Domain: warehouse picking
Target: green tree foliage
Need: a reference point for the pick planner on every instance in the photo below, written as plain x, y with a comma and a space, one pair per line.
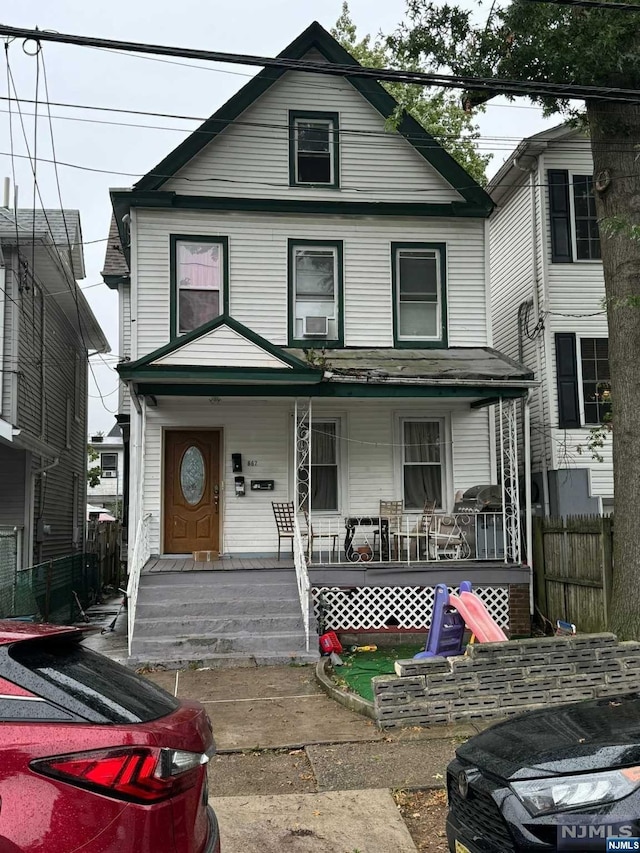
93, 473
439, 111
596, 47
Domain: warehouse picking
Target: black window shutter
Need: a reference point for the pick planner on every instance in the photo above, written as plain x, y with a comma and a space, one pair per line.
560, 215
567, 373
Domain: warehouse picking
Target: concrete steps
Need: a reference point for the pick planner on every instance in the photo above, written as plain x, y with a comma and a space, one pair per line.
220, 619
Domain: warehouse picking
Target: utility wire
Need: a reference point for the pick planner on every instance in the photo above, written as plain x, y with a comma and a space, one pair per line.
490, 85
592, 4
273, 184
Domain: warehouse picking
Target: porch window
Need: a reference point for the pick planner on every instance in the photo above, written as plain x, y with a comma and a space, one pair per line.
198, 272
418, 294
324, 467
421, 463
596, 379
315, 272
313, 149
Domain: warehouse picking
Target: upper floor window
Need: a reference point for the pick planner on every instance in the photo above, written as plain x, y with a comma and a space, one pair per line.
199, 278
313, 149
587, 235
315, 289
596, 379
419, 294
573, 220
109, 464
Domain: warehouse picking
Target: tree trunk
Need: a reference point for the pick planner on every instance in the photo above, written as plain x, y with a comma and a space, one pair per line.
615, 141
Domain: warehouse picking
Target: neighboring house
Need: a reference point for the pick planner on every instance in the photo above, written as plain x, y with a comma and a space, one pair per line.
46, 332
307, 310
547, 293
109, 492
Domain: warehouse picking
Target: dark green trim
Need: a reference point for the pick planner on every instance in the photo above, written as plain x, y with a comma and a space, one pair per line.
114, 281
198, 372
223, 320
325, 389
314, 114
315, 36
314, 343
173, 284
413, 343
122, 201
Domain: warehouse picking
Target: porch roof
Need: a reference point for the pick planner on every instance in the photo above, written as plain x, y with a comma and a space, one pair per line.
200, 364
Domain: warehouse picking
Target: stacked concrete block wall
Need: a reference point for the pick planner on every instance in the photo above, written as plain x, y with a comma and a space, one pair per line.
495, 680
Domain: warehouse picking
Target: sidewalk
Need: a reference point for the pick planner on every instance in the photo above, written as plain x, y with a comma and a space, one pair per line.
296, 771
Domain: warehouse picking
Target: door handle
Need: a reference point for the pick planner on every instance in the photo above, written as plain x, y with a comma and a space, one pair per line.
216, 496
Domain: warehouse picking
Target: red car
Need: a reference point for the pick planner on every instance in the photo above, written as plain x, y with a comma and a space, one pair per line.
93, 758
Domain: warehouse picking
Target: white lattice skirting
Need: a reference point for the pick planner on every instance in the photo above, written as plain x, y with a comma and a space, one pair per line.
365, 608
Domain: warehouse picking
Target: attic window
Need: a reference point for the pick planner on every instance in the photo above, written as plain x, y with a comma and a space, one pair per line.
313, 149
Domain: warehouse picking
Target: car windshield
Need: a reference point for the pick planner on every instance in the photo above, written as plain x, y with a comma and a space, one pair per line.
90, 684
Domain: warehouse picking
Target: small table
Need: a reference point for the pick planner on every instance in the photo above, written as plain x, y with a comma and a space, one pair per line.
351, 553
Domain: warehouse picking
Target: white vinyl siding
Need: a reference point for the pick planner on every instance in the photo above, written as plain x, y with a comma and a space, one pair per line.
258, 271
368, 458
251, 157
124, 304
222, 348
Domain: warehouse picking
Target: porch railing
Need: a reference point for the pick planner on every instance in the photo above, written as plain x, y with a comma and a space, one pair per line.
380, 539
140, 555
302, 577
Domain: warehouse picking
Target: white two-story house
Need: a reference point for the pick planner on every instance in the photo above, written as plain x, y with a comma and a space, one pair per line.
305, 315
547, 289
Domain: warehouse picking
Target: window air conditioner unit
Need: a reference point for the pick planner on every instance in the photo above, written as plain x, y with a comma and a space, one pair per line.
109, 473
315, 327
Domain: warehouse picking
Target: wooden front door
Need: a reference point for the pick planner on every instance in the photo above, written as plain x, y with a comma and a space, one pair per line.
192, 491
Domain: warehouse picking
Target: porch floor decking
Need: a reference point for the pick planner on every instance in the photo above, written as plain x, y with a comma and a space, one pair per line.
157, 565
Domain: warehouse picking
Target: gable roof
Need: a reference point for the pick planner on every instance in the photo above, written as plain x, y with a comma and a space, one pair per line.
315, 37
513, 173
274, 362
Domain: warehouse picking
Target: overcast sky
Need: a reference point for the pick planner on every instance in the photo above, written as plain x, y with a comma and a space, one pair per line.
103, 140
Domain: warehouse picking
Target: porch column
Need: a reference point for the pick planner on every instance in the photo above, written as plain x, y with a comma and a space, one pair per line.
509, 479
302, 460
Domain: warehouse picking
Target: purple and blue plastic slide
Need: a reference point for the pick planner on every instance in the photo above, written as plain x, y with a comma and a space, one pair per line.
447, 625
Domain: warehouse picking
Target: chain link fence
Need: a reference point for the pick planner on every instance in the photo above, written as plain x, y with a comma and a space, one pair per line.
53, 591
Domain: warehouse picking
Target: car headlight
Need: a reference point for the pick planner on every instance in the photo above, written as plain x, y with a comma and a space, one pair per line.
544, 796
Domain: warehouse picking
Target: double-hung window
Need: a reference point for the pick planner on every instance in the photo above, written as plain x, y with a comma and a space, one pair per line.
573, 220
313, 149
199, 276
419, 294
422, 463
109, 464
324, 468
596, 379
315, 280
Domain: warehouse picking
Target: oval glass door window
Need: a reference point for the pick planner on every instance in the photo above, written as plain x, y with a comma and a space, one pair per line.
192, 475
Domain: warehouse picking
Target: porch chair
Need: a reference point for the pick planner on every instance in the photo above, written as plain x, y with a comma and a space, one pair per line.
446, 539
393, 511
312, 536
412, 540
285, 516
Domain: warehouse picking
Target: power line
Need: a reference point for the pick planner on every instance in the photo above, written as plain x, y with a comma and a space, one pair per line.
490, 85
592, 4
273, 184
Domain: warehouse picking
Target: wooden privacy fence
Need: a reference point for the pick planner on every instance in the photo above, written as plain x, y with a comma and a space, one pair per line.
573, 570
103, 541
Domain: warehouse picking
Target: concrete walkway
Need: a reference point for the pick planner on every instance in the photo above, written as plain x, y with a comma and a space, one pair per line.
296, 771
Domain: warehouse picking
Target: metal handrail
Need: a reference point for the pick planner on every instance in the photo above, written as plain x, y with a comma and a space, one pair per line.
140, 555
302, 577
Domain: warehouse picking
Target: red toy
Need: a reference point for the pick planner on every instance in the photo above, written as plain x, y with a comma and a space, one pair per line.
329, 643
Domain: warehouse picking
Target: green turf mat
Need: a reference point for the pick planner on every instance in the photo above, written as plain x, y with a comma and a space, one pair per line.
360, 667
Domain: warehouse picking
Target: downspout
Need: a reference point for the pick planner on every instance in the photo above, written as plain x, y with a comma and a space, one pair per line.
528, 517
536, 309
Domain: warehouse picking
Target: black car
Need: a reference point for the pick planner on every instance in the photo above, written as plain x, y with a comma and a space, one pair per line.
562, 778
